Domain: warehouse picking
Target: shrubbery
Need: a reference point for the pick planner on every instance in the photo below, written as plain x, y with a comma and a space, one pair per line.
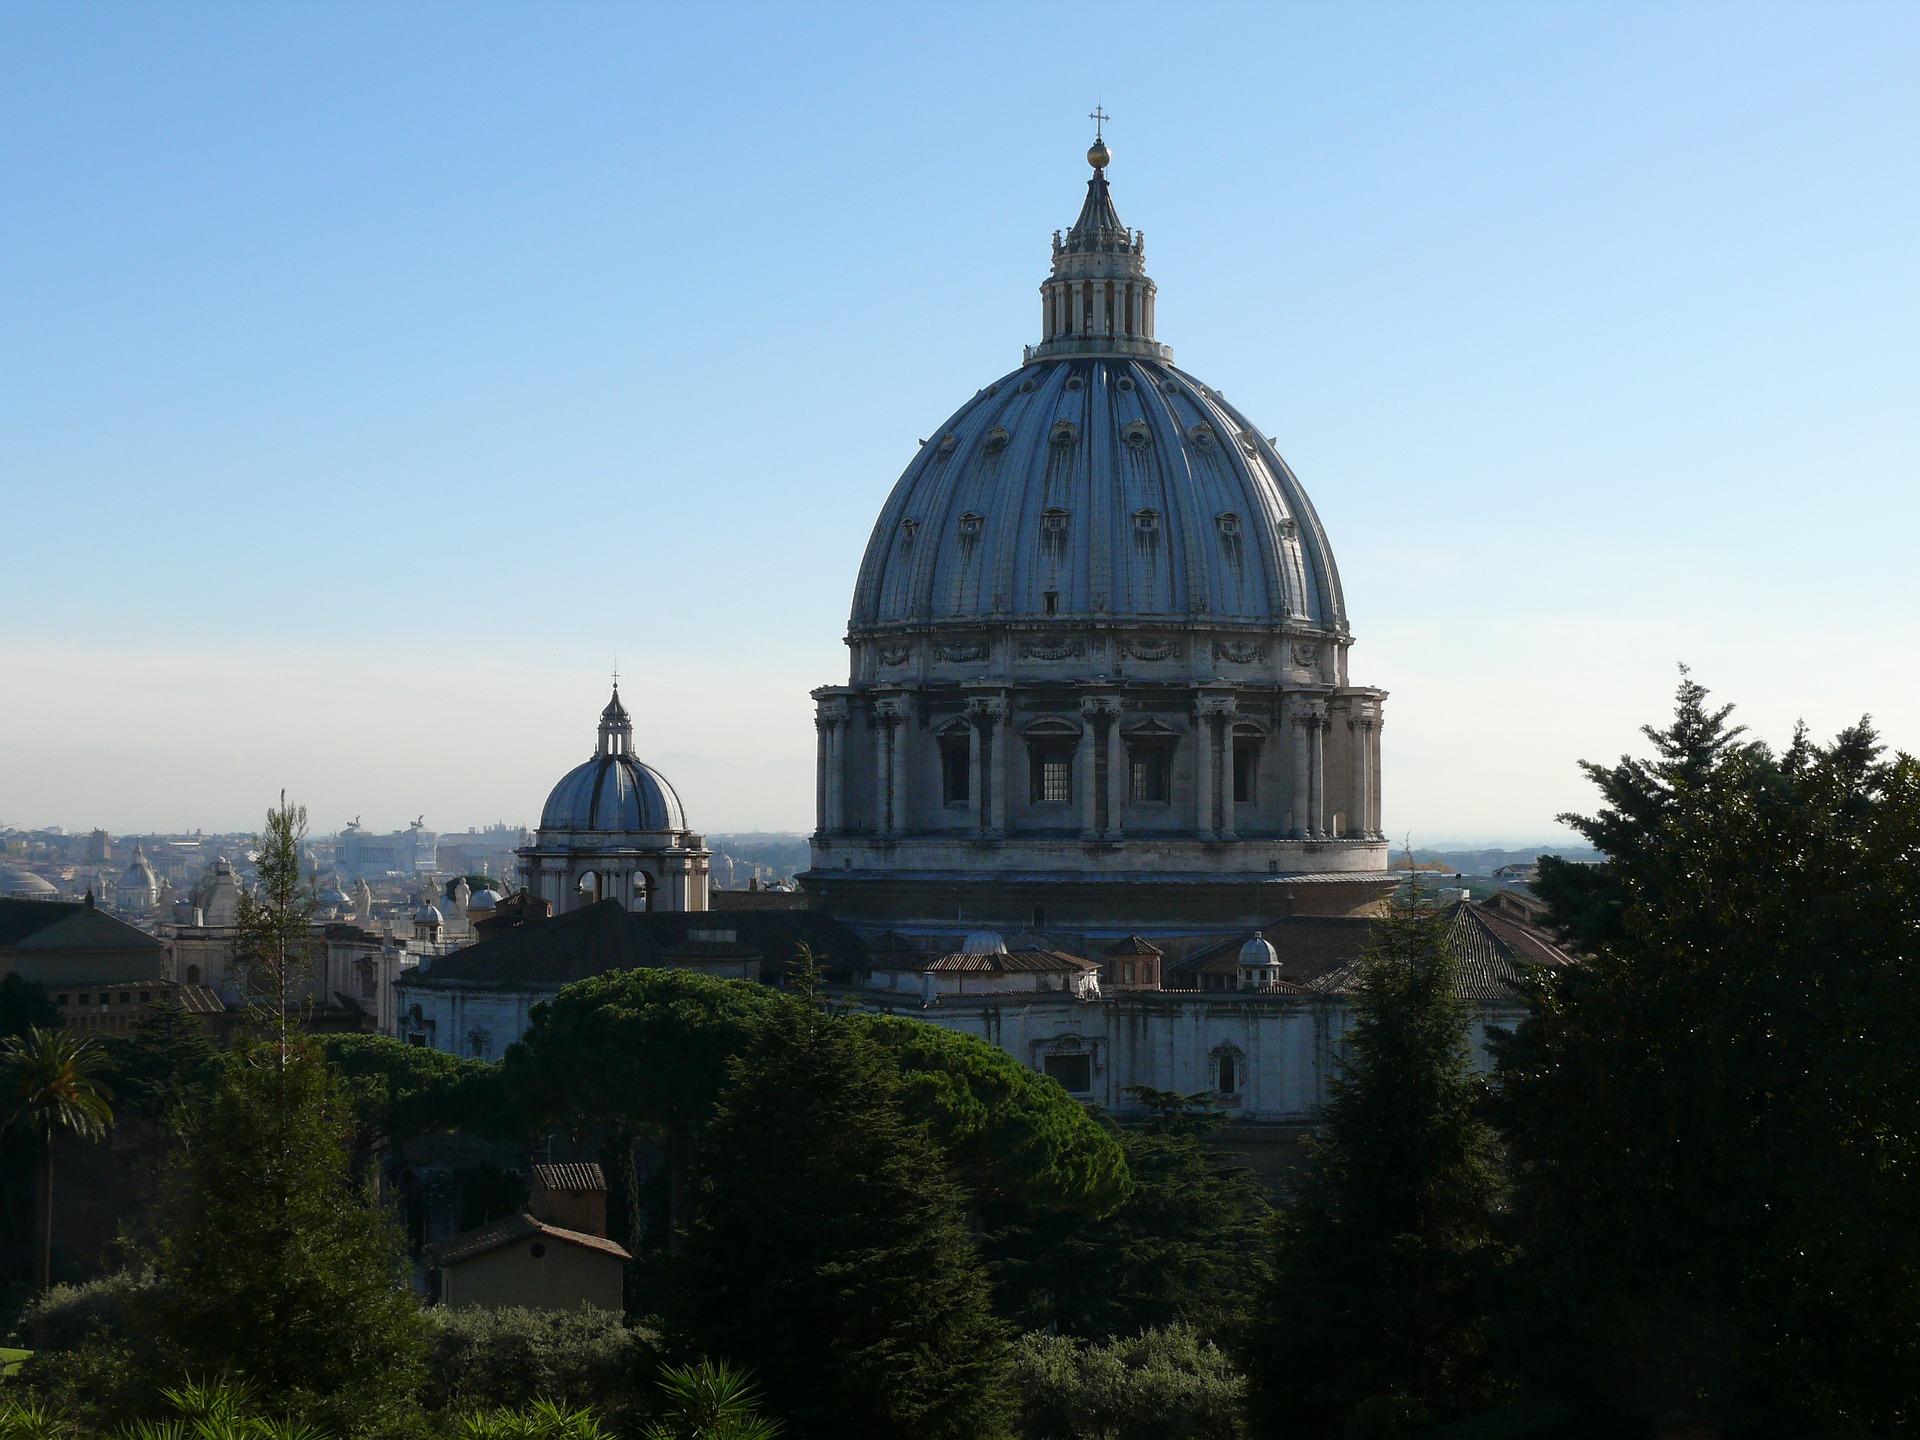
506, 1359
1165, 1384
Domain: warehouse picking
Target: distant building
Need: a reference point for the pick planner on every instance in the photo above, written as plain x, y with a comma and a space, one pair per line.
361, 854
138, 893
101, 973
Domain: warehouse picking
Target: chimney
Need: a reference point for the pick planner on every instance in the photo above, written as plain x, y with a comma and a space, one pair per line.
573, 1197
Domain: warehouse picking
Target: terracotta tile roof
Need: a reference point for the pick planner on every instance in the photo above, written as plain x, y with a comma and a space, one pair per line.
1309, 948
1134, 945
572, 1178
510, 1231
198, 1000
1321, 954
1014, 962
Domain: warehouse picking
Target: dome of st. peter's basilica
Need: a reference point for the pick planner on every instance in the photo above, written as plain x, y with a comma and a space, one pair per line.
1098, 654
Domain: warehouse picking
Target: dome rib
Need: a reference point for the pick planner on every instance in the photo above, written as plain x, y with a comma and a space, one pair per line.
1102, 567
616, 794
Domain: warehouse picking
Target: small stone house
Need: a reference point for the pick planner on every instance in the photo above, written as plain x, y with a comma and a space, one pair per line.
556, 1256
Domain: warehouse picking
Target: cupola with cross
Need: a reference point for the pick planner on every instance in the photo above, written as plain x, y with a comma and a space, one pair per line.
1099, 299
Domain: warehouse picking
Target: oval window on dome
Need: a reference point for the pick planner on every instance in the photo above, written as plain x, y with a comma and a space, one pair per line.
1074, 383
1123, 383
947, 442
996, 441
1138, 434
1063, 434
1201, 435
1026, 387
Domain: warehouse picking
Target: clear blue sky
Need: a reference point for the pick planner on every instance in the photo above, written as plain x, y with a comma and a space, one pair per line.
372, 375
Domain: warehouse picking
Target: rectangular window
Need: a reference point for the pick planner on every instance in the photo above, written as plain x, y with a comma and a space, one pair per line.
1126, 973
1150, 775
956, 770
1246, 763
85, 998
1074, 1072
146, 996
1052, 774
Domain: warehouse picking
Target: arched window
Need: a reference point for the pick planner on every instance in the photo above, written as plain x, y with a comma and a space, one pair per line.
193, 974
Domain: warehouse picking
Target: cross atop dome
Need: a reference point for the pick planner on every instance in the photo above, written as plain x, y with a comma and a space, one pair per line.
1098, 155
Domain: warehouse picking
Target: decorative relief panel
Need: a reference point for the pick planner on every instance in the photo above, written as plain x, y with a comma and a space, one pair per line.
1245, 652
1144, 649
1054, 650
960, 654
1306, 654
894, 654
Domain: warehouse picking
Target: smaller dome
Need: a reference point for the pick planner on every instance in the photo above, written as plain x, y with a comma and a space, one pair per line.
428, 915
25, 885
1258, 953
983, 942
484, 900
613, 792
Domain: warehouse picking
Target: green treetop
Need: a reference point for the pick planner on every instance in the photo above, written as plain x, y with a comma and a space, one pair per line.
829, 1251
1713, 1118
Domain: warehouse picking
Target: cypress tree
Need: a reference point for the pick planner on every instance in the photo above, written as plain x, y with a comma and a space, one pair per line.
829, 1256
1382, 1261
270, 1266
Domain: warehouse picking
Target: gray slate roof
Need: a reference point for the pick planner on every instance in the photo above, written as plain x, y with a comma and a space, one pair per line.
546, 954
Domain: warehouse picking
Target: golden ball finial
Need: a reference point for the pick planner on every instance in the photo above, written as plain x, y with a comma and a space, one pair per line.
1098, 155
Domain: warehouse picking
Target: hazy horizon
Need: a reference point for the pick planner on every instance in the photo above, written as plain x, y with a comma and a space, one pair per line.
372, 378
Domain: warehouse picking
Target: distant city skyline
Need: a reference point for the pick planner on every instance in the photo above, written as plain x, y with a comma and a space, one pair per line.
371, 379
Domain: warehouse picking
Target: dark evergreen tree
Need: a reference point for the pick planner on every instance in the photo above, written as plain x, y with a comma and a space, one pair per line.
166, 1063
1383, 1259
829, 1252
1715, 1119
25, 1006
271, 1267
1187, 1246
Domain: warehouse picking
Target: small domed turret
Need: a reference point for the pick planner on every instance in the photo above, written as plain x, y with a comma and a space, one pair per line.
1259, 965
